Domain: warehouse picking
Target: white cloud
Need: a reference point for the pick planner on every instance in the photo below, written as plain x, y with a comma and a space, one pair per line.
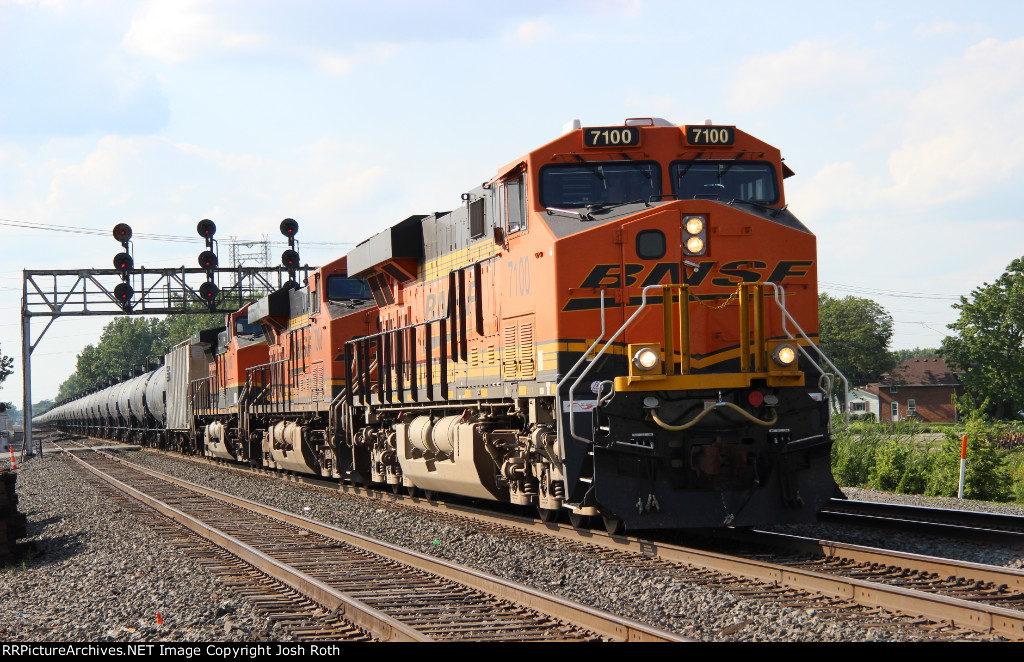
175, 31
818, 67
532, 31
948, 28
836, 186
962, 131
340, 65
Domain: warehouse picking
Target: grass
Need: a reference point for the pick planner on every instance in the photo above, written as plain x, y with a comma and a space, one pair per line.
899, 458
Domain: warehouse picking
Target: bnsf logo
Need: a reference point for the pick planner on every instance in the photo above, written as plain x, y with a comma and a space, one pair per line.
729, 275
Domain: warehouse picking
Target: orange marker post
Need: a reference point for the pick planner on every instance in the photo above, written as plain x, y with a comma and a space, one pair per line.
14, 466
963, 468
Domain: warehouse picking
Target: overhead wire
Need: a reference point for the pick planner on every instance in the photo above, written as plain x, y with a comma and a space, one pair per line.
149, 236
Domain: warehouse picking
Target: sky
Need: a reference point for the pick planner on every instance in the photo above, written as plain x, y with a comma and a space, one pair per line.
901, 120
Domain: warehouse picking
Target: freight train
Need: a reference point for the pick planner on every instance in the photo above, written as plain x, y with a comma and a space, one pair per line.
620, 325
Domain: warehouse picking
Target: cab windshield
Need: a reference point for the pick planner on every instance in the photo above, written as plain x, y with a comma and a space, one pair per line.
342, 288
243, 328
605, 183
724, 181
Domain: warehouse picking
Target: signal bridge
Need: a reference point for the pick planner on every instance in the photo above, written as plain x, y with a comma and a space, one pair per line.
127, 290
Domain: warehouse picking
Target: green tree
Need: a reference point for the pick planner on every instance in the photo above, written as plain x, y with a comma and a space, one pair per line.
916, 353
988, 345
6, 367
181, 327
125, 342
855, 333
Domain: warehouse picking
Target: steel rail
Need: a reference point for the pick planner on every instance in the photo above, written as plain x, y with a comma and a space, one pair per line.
961, 524
1005, 622
378, 624
1011, 577
601, 623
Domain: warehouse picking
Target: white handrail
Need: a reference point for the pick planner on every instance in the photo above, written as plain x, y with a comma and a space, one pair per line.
780, 301
572, 389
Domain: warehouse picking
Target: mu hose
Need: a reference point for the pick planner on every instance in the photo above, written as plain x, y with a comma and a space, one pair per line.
696, 419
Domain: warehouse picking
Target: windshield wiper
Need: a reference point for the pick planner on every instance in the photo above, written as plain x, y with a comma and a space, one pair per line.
774, 211
631, 162
553, 210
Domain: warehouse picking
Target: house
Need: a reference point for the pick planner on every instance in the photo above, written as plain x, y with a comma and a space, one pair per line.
922, 389
863, 402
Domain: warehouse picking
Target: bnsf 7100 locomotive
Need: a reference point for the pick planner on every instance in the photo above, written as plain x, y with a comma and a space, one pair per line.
620, 323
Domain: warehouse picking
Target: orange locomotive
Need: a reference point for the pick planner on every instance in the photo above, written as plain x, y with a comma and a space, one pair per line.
620, 324
290, 415
218, 400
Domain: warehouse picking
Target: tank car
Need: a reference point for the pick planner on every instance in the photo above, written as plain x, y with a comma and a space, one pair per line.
622, 324
151, 409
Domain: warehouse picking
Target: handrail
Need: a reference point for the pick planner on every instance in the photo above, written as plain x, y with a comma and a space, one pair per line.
825, 381
572, 389
780, 301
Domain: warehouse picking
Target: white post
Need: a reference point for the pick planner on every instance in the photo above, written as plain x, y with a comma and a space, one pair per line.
963, 467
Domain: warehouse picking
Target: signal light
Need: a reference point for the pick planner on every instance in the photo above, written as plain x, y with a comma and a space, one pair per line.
123, 293
123, 233
290, 259
206, 228
289, 227
123, 262
208, 291
208, 260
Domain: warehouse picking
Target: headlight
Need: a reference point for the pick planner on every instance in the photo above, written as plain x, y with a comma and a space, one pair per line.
695, 241
784, 355
646, 359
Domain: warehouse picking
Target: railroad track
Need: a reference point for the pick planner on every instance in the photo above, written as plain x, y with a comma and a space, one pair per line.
933, 598
326, 583
996, 528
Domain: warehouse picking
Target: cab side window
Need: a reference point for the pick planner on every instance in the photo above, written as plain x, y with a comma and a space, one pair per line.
515, 202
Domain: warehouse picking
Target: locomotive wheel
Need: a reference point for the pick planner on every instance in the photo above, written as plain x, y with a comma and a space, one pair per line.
547, 515
430, 495
396, 488
579, 521
613, 525
413, 491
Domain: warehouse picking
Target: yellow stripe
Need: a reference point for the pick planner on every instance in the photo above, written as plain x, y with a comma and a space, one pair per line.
440, 267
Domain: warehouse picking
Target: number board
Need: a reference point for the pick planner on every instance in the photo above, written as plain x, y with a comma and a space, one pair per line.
611, 136
710, 135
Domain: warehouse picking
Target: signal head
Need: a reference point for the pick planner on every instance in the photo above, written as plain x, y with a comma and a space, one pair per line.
208, 291
208, 260
206, 228
289, 227
123, 293
123, 262
123, 232
290, 259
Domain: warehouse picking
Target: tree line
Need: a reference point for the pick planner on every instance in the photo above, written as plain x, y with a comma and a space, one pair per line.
131, 342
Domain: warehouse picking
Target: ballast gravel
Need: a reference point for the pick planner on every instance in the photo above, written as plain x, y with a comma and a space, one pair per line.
101, 575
